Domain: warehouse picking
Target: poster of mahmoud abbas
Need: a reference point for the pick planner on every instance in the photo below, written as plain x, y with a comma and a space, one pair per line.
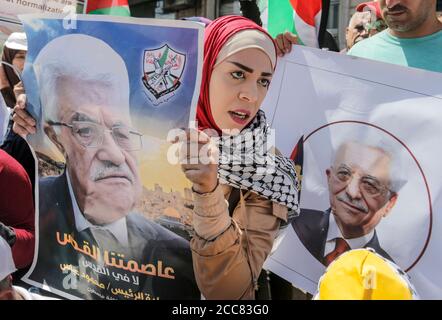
371, 166
113, 215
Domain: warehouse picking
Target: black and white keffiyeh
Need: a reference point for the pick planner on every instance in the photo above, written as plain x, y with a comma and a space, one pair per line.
248, 161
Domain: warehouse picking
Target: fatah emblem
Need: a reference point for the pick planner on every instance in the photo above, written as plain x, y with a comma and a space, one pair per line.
162, 71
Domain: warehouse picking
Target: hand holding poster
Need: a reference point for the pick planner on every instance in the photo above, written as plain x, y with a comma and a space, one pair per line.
371, 170
109, 199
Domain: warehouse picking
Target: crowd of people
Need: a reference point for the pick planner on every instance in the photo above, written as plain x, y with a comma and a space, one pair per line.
235, 220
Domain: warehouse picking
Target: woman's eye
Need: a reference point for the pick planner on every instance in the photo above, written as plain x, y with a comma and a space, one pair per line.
237, 75
264, 82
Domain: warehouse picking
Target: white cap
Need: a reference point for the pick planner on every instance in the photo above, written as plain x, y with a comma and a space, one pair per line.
7, 265
17, 41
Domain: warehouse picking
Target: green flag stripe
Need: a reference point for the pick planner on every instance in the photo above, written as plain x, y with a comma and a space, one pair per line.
280, 17
114, 11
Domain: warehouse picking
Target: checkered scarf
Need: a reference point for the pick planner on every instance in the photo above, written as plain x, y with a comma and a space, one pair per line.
248, 162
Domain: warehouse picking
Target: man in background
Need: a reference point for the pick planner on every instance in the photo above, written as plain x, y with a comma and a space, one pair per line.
413, 37
366, 22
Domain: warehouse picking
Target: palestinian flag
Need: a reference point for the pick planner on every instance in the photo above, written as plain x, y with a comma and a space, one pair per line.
110, 7
305, 18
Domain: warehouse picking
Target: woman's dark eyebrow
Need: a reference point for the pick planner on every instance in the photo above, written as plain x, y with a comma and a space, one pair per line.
239, 65
249, 70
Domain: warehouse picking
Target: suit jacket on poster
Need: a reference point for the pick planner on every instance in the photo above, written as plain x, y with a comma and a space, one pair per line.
149, 243
311, 226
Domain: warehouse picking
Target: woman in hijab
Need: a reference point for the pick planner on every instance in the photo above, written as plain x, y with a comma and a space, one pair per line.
233, 237
14, 53
239, 205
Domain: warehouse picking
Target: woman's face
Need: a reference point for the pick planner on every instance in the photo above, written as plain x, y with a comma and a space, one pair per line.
19, 60
237, 88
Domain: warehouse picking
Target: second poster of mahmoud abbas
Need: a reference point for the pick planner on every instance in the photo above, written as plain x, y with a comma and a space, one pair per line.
371, 174
113, 216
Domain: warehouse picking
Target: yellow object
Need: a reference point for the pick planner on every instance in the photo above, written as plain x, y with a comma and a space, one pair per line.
362, 274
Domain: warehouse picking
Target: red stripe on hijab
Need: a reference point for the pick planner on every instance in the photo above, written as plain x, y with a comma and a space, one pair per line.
217, 33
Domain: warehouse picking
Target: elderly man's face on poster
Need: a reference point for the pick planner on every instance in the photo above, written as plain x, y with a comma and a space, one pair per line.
95, 134
114, 216
359, 186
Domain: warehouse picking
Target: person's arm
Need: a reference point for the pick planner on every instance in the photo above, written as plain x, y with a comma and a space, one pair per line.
19, 89
24, 124
228, 253
23, 248
17, 214
227, 263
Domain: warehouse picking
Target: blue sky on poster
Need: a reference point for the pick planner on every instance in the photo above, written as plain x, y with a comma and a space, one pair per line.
130, 41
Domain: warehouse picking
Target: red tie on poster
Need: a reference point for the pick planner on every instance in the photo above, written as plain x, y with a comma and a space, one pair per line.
341, 247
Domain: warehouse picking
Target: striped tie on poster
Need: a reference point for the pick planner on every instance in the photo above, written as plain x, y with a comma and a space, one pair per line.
305, 18
109, 7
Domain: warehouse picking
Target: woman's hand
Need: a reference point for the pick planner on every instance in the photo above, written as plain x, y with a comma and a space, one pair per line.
19, 89
284, 42
24, 124
199, 156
